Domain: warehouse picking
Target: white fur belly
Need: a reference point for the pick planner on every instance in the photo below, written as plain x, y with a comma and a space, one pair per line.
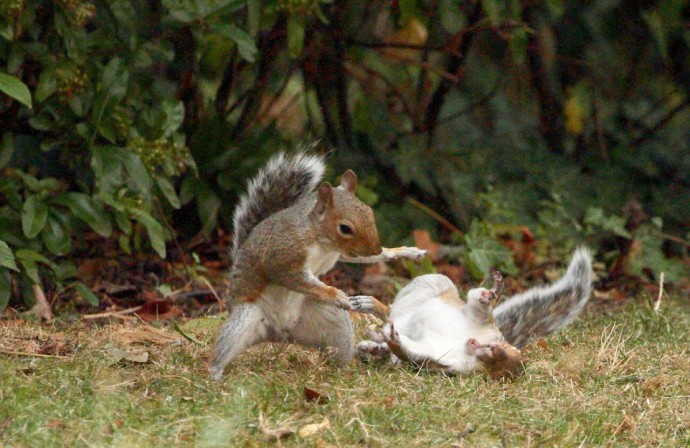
282, 307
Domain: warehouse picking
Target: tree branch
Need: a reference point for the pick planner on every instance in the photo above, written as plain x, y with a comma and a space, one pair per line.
462, 41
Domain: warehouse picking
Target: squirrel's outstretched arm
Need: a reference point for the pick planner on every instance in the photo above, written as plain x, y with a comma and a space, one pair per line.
307, 283
388, 254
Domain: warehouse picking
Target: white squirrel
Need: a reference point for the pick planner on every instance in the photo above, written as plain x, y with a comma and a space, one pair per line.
429, 325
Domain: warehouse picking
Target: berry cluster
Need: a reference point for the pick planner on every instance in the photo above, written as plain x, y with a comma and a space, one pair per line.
11, 8
71, 82
161, 155
122, 122
78, 12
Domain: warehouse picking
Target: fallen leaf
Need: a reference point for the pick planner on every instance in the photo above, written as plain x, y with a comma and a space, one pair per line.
145, 334
314, 428
159, 310
312, 396
118, 355
422, 239
54, 423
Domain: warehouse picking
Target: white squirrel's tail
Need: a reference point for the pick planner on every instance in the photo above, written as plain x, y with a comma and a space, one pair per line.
283, 181
541, 311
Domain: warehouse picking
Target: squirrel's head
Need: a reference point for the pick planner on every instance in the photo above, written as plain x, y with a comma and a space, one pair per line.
345, 220
500, 359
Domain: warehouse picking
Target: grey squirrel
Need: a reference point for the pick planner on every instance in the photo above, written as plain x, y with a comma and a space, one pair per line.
289, 228
429, 325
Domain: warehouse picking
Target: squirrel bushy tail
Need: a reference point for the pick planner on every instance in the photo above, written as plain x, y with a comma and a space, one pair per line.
544, 310
283, 181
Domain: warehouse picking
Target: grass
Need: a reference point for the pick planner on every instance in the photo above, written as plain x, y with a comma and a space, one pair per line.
613, 379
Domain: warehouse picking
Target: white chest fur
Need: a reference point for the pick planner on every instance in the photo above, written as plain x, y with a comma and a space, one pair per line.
321, 259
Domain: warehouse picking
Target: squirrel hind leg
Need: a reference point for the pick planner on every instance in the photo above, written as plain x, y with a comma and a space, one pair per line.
327, 328
246, 326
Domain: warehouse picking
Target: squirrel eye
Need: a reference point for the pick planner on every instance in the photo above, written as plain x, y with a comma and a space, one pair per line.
345, 229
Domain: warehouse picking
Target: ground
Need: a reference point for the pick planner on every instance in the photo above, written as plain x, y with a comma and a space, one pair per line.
614, 378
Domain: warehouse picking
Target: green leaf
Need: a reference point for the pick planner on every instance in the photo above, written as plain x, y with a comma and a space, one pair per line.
596, 218
245, 44
253, 16
155, 231
16, 89
452, 18
86, 294
190, 11
168, 191
6, 257
88, 210
123, 222
174, 116
28, 259
518, 44
111, 91
5, 288
295, 35
492, 9
106, 164
484, 252
137, 172
34, 216
56, 237
658, 29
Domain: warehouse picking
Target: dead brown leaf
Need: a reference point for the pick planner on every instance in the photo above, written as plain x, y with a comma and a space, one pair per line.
145, 334
312, 396
422, 239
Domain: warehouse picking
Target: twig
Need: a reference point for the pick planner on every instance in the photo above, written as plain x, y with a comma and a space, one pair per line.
460, 42
393, 88
454, 79
435, 215
661, 123
42, 307
657, 303
210, 286
481, 101
32, 355
386, 44
112, 313
186, 336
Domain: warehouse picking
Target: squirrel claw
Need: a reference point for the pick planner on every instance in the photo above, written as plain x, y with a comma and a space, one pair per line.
343, 304
362, 304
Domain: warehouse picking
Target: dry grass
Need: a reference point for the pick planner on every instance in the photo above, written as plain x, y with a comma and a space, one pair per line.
607, 381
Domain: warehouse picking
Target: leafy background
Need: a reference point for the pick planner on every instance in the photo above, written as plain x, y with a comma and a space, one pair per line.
510, 130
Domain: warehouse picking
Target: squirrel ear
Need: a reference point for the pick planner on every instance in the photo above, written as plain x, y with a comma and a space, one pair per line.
349, 181
324, 197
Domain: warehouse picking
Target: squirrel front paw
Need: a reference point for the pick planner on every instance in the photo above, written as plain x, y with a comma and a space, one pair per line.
342, 300
363, 304
390, 334
412, 253
481, 296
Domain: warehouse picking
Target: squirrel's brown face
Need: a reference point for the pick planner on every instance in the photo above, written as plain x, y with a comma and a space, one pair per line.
347, 221
501, 360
